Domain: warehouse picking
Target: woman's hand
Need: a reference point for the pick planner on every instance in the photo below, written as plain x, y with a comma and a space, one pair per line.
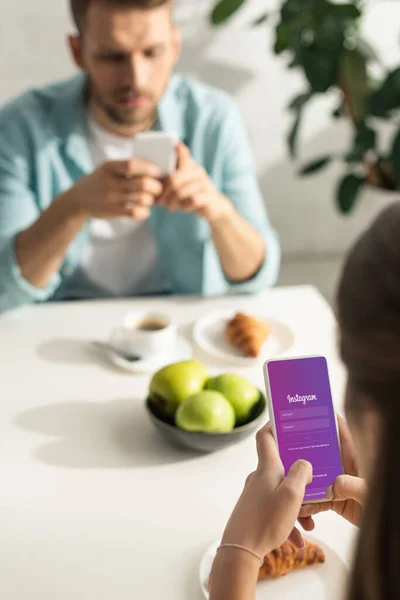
346, 495
262, 520
267, 510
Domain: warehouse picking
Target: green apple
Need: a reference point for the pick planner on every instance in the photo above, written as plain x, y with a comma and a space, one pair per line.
174, 383
242, 394
207, 412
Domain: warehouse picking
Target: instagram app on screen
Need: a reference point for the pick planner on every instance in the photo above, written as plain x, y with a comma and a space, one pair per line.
301, 409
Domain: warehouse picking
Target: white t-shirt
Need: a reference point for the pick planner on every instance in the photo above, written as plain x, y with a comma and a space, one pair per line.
121, 258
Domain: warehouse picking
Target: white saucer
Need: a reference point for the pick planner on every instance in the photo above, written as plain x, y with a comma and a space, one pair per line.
209, 335
322, 582
182, 350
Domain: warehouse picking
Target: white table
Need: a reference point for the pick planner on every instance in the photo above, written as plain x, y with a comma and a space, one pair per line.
93, 505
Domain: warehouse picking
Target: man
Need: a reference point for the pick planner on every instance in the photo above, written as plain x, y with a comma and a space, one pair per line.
81, 218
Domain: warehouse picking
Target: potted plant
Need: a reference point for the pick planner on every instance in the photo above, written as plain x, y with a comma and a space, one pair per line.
322, 39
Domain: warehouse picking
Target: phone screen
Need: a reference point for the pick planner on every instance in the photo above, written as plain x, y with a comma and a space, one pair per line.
305, 422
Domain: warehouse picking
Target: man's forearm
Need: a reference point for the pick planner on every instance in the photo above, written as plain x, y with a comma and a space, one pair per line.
240, 247
41, 248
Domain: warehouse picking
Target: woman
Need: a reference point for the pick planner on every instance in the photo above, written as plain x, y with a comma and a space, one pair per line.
369, 327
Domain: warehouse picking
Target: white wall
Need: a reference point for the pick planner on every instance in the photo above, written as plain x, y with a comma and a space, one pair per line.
238, 59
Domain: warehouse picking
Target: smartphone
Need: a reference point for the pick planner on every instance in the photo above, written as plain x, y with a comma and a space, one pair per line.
158, 147
303, 419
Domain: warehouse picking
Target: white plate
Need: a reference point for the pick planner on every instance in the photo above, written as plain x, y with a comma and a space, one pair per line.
319, 582
181, 351
209, 335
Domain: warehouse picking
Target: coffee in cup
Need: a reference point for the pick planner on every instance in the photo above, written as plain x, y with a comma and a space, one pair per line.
151, 325
145, 334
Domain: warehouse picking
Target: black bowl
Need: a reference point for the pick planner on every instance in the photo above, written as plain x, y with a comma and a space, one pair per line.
205, 442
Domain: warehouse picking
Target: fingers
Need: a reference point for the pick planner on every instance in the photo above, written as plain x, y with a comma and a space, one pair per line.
267, 451
135, 167
140, 199
299, 475
191, 198
292, 488
126, 196
176, 180
176, 185
308, 510
347, 448
190, 190
307, 523
196, 203
132, 198
144, 184
183, 155
296, 538
346, 487
288, 497
133, 206
138, 213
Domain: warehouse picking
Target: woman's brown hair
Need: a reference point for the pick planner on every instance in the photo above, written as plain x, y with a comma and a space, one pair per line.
369, 319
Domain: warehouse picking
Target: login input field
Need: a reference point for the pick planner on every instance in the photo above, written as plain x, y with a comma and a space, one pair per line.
306, 425
304, 413
308, 437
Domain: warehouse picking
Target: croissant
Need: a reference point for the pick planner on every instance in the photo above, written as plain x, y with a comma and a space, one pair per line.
288, 558
247, 333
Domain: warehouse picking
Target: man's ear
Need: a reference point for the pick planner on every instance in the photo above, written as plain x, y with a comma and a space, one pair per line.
75, 47
176, 43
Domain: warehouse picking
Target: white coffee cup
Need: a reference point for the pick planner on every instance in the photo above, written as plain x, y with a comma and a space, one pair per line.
145, 334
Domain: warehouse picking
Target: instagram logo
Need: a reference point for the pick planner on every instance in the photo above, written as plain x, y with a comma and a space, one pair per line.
302, 399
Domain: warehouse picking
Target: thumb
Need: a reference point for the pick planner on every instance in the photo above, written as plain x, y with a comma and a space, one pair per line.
183, 154
347, 487
300, 474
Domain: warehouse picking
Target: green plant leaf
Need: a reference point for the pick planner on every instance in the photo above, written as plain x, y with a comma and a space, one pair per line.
393, 79
291, 9
315, 165
366, 137
320, 59
345, 11
299, 101
348, 191
320, 70
395, 158
387, 97
352, 157
224, 10
282, 38
293, 135
261, 20
364, 140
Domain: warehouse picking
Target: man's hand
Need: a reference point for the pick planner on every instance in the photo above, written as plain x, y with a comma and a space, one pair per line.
117, 189
189, 189
240, 247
